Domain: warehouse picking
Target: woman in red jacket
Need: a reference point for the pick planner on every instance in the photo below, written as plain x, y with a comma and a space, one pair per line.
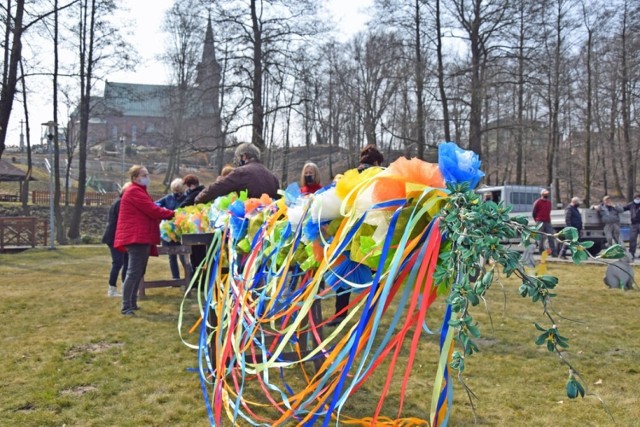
310, 178
138, 233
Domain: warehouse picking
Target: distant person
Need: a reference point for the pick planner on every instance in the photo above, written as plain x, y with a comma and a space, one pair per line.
542, 216
118, 259
634, 210
310, 178
487, 197
610, 216
193, 188
172, 201
370, 156
251, 175
572, 218
138, 233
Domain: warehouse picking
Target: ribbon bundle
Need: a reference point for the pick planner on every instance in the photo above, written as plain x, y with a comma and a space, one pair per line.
270, 265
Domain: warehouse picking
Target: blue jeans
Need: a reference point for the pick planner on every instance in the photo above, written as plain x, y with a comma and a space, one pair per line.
119, 262
138, 258
173, 261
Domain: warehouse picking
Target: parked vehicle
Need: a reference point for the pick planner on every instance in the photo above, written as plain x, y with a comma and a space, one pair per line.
521, 197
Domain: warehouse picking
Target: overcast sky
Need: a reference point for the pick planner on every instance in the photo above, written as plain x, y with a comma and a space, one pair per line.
148, 38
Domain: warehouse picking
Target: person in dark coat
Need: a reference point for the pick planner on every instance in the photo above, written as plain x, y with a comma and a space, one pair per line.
251, 175
138, 233
572, 218
369, 157
192, 184
171, 201
634, 210
118, 259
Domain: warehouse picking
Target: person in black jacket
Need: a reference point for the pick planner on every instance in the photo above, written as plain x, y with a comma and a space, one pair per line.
119, 260
192, 184
572, 218
634, 210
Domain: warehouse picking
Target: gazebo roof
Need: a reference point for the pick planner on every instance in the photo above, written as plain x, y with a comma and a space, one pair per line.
8, 172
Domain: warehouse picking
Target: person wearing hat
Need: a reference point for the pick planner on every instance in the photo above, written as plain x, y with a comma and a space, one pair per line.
572, 218
610, 216
542, 216
634, 210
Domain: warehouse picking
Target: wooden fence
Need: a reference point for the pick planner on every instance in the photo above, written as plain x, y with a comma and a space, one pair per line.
90, 198
20, 232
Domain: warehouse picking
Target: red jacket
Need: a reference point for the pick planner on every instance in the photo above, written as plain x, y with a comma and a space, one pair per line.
542, 210
310, 188
139, 219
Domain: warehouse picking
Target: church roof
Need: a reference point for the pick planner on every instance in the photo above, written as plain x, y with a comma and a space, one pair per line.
132, 99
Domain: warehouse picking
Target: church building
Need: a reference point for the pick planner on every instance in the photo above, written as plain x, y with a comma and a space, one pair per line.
145, 115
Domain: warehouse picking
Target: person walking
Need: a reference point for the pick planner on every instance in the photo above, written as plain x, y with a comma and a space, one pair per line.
310, 178
572, 218
634, 210
542, 216
118, 259
610, 216
137, 233
171, 201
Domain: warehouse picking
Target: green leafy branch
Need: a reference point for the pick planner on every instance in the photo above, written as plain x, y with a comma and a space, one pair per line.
475, 232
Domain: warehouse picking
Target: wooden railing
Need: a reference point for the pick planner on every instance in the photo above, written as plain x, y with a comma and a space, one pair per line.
20, 232
90, 198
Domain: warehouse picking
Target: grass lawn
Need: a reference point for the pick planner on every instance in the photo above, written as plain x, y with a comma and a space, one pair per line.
69, 358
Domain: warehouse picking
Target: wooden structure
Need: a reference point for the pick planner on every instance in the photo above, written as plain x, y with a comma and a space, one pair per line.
179, 250
21, 232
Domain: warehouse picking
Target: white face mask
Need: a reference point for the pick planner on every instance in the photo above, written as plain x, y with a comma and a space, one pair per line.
637, 201
144, 181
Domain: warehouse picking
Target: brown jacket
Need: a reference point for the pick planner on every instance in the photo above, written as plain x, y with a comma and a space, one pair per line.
253, 176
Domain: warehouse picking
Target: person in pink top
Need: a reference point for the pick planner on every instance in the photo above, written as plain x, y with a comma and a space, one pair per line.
137, 233
542, 216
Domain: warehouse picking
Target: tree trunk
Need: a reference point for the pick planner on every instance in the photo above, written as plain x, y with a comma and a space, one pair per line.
441, 82
86, 80
258, 109
10, 69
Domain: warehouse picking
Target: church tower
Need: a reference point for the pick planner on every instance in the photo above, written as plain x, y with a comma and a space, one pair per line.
208, 78
209, 74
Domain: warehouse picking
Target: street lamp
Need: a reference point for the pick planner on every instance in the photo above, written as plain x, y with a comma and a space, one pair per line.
51, 132
122, 141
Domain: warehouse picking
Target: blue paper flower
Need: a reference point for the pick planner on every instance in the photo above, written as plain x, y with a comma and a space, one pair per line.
237, 222
458, 165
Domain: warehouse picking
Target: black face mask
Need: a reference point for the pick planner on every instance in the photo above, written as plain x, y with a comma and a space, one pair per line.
545, 197
308, 179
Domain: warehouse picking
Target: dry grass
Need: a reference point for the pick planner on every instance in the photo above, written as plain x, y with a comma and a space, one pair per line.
69, 358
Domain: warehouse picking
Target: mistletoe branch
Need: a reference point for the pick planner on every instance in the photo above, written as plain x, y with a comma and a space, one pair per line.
475, 232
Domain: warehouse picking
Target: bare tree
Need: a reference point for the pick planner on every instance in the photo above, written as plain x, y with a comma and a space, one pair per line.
100, 46
262, 33
483, 21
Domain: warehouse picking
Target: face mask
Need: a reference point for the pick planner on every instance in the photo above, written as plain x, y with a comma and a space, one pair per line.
308, 179
144, 181
636, 201
546, 196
